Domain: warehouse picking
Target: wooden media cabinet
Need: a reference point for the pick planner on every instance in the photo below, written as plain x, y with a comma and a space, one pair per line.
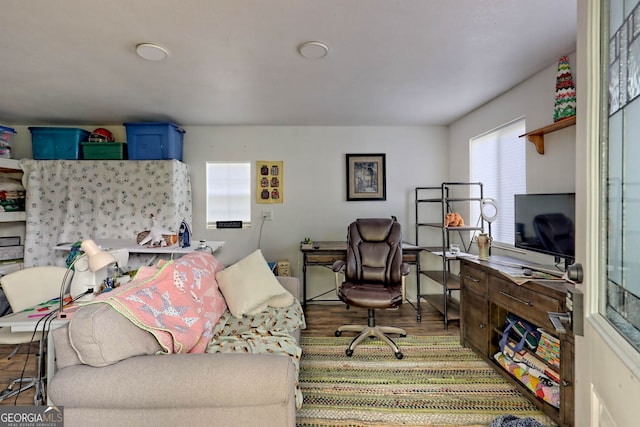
488, 295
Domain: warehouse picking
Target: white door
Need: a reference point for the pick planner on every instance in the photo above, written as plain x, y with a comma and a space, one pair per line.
608, 228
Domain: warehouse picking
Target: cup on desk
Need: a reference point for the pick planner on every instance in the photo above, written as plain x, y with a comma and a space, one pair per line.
454, 249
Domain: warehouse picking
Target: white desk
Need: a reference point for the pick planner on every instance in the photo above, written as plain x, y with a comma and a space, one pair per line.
21, 322
135, 248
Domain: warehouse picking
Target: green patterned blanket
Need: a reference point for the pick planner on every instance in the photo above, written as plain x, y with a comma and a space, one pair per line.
267, 332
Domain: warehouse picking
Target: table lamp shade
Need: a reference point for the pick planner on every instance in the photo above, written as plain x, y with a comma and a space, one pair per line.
97, 257
96, 260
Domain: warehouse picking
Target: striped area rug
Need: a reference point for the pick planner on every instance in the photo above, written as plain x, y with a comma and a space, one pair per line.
437, 383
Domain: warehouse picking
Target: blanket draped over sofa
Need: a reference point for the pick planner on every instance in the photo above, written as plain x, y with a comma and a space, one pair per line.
268, 332
177, 301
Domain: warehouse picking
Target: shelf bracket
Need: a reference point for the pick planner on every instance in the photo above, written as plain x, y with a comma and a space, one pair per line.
537, 136
538, 141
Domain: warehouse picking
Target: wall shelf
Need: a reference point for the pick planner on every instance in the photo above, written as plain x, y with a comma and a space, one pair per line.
9, 165
20, 216
133, 247
537, 136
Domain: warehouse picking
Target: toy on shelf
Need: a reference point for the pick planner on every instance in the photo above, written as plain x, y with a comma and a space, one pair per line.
157, 236
453, 219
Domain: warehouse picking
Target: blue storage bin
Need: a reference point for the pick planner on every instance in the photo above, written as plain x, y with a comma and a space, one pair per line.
154, 141
52, 143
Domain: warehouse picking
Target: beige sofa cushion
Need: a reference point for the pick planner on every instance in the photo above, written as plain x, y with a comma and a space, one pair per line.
101, 336
249, 286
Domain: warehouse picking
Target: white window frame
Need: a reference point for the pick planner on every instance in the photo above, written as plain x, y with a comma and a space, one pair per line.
229, 189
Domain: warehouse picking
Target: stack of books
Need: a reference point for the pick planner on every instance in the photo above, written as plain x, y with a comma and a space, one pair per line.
549, 348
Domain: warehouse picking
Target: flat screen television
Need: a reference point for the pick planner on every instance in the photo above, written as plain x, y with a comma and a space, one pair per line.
545, 223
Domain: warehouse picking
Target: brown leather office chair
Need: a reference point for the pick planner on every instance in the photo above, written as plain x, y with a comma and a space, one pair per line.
374, 276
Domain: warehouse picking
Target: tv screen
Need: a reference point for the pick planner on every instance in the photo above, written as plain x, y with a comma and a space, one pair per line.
545, 223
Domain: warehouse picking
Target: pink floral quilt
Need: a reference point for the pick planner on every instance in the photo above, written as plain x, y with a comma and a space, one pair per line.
177, 301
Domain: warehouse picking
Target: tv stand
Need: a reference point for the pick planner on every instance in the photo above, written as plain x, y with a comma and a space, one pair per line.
488, 295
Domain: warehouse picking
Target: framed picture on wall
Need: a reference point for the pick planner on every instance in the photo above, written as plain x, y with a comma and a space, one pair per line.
366, 177
269, 181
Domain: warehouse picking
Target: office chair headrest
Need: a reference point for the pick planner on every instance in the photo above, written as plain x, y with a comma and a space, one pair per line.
374, 229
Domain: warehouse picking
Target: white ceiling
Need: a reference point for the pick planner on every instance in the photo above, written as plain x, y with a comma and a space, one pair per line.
235, 62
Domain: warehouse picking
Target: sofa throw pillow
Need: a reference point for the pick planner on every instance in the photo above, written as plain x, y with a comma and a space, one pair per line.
101, 336
249, 286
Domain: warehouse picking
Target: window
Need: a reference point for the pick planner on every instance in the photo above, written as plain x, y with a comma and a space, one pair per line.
621, 127
228, 192
498, 161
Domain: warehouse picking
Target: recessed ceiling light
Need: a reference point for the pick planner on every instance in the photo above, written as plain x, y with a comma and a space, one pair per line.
313, 50
151, 52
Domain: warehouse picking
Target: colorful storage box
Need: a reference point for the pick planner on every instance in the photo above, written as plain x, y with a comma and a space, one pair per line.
6, 139
154, 141
52, 143
104, 151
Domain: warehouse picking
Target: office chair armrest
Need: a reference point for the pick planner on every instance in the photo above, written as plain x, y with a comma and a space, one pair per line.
405, 269
337, 265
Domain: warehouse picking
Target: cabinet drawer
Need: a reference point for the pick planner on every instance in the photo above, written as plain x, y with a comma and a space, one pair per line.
528, 304
475, 280
325, 259
475, 321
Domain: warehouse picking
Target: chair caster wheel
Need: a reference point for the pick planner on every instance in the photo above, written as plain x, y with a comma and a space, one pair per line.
349, 352
338, 333
399, 355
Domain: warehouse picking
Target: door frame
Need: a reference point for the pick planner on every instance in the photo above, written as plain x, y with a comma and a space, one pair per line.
607, 367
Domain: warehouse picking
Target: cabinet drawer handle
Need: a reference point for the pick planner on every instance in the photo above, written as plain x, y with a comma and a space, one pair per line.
528, 303
481, 325
565, 383
468, 276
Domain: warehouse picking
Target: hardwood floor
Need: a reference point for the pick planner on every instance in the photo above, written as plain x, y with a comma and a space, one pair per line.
11, 369
322, 320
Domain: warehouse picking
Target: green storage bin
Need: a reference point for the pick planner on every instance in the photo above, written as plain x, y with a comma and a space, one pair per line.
104, 150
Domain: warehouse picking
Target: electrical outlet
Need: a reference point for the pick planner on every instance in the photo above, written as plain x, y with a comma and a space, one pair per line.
267, 214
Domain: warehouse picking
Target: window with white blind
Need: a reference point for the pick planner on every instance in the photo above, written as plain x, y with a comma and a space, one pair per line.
497, 160
228, 192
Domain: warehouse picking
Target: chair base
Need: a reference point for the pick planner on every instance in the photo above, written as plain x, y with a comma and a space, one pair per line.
24, 383
379, 332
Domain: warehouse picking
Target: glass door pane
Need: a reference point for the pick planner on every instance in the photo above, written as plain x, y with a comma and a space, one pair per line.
622, 151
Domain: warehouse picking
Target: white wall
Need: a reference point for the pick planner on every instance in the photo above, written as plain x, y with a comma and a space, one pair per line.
314, 181
533, 99
314, 169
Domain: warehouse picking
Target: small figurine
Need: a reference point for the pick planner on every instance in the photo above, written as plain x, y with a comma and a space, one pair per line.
156, 234
453, 219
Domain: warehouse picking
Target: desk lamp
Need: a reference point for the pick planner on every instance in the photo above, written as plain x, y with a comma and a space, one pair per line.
96, 259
